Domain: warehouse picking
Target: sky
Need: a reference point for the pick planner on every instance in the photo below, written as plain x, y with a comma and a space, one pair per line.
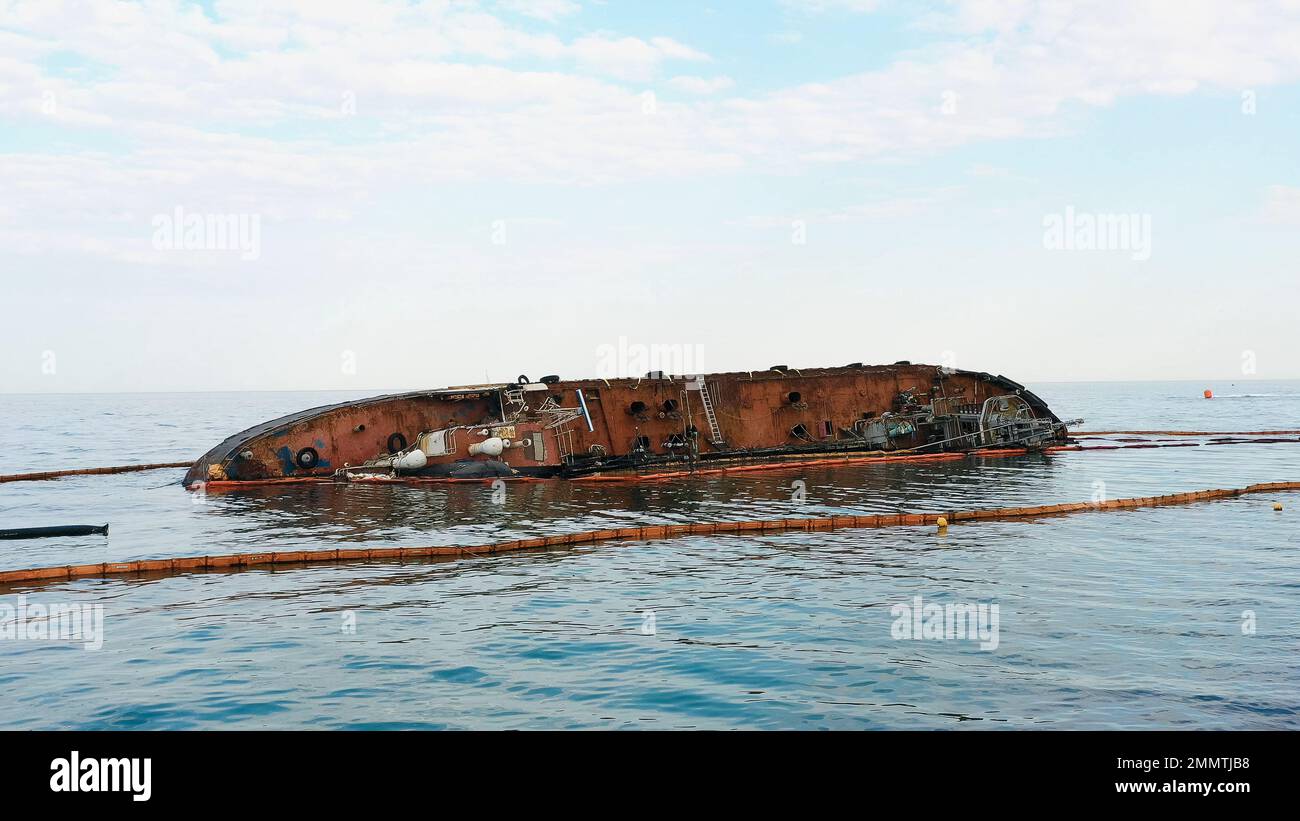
247, 195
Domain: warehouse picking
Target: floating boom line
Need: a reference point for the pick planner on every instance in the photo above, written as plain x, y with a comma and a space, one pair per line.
271, 560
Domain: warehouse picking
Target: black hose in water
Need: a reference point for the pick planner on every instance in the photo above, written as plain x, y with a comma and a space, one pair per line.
61, 530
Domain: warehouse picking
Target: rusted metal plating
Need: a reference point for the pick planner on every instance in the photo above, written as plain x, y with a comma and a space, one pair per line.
657, 424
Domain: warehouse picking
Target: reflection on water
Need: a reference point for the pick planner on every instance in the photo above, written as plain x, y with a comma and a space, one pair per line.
1107, 619
152, 520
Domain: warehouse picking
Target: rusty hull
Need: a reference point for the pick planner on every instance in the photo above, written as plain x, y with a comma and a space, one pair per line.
753, 411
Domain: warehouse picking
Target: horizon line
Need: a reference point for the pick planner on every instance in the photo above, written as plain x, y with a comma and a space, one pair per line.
409, 389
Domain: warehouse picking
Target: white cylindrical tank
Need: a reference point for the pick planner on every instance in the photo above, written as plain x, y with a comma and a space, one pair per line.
489, 447
411, 461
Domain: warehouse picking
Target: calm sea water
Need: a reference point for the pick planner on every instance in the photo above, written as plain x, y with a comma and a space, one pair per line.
1106, 620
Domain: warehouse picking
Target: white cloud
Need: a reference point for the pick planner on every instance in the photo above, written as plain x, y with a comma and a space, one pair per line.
1282, 205
630, 58
548, 10
701, 85
900, 206
819, 6
254, 104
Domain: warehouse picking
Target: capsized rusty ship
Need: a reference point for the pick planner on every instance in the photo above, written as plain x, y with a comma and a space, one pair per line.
656, 424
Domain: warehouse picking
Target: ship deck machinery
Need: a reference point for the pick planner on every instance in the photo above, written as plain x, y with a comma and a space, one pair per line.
657, 423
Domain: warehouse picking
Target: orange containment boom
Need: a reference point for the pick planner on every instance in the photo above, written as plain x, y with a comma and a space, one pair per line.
241, 561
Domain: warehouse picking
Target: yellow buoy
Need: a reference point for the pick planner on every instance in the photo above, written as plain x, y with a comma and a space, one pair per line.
942, 523
1277, 505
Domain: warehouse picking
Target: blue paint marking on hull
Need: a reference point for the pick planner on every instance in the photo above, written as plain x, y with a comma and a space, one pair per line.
287, 467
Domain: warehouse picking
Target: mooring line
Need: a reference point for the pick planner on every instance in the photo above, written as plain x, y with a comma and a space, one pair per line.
1187, 432
241, 561
55, 474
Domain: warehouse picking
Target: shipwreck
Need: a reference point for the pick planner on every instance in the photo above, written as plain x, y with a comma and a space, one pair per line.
656, 424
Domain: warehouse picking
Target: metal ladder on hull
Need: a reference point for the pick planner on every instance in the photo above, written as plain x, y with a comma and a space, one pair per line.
564, 444
707, 401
